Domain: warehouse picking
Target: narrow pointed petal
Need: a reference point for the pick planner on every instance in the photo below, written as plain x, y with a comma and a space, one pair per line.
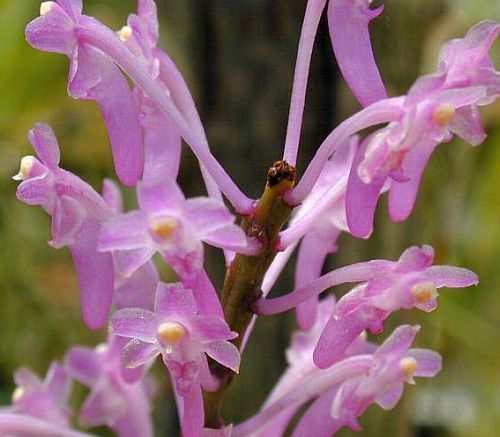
391, 397
93, 77
467, 124
146, 9
449, 276
192, 416
83, 365
155, 197
72, 7
229, 237
415, 259
336, 337
44, 142
112, 196
399, 341
58, 382
211, 328
135, 323
225, 353
402, 195
174, 300
95, 276
127, 262
52, 32
26, 378
317, 420
429, 363
125, 232
136, 353
348, 22
362, 199
204, 293
208, 214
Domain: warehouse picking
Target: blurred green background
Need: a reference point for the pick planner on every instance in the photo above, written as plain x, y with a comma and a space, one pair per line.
238, 58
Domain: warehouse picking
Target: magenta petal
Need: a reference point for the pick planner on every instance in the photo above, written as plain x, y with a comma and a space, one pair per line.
67, 218
317, 420
127, 262
26, 378
136, 353
174, 300
162, 147
415, 259
205, 295
402, 195
135, 323
348, 22
138, 290
208, 214
95, 276
155, 197
399, 341
72, 7
45, 144
52, 32
58, 382
83, 365
94, 77
361, 198
229, 237
147, 11
225, 353
429, 363
104, 405
211, 328
112, 196
336, 337
467, 124
37, 190
391, 397
192, 412
125, 232
453, 277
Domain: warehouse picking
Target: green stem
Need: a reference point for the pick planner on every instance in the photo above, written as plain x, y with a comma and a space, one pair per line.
244, 277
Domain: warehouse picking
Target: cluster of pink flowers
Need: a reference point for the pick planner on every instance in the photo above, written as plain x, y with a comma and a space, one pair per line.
330, 361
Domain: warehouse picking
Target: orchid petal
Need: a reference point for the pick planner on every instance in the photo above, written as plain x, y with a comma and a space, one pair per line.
398, 342
415, 259
429, 363
112, 196
67, 219
58, 382
83, 365
94, 77
467, 124
225, 353
52, 32
44, 142
348, 22
125, 232
391, 397
136, 353
452, 277
135, 323
95, 276
210, 328
127, 262
174, 300
153, 198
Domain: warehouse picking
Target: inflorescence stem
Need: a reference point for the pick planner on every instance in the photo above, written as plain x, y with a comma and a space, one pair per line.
242, 286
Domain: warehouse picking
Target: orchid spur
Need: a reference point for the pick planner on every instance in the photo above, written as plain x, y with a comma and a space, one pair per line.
197, 326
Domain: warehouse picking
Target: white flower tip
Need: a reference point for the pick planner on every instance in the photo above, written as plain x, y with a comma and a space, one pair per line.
18, 394
25, 169
46, 7
125, 33
101, 348
408, 366
424, 291
163, 227
171, 332
443, 114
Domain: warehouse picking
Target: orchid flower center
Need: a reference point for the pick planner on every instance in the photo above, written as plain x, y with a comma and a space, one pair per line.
125, 33
443, 114
25, 169
408, 366
46, 7
163, 227
424, 291
170, 333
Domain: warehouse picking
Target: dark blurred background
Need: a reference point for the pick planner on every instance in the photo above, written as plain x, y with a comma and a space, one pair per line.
238, 58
